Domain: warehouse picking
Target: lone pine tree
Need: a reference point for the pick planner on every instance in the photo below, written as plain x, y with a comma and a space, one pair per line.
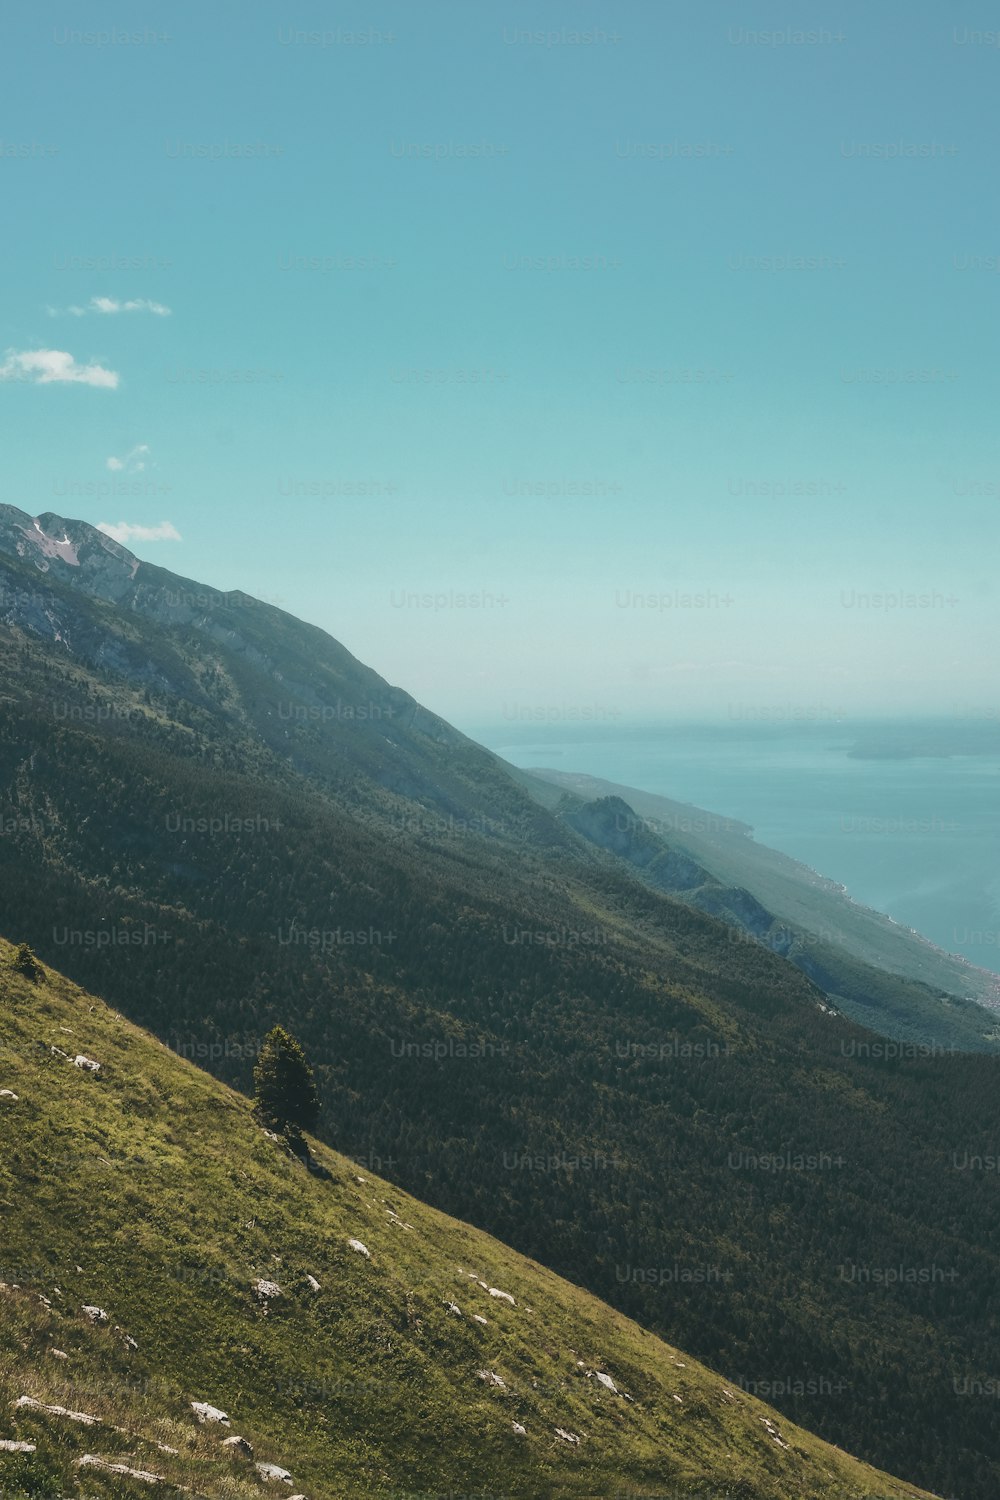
285, 1095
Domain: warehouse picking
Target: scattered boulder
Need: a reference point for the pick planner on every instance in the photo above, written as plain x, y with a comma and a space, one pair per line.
567, 1437
267, 1290
59, 1354
86, 1063
91, 1461
239, 1446
491, 1378
519, 1431
274, 1472
11, 1445
312, 1284
504, 1295
206, 1413
95, 1314
360, 1248
8, 1094
478, 1318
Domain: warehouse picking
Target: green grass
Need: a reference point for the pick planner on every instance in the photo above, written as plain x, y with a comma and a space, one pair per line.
149, 1190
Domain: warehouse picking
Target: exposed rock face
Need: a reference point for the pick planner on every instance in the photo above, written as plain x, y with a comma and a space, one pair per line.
206, 1413
29, 1403
239, 1446
267, 1291
106, 1466
274, 1472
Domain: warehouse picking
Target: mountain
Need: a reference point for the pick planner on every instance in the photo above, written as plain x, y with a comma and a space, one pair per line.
881, 974
165, 1258
212, 820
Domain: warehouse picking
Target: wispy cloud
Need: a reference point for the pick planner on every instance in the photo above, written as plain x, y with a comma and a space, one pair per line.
124, 532
49, 366
134, 461
109, 305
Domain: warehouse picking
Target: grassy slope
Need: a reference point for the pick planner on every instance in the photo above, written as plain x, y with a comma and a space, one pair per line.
149, 1191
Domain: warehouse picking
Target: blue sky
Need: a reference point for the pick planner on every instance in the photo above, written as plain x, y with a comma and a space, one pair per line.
674, 347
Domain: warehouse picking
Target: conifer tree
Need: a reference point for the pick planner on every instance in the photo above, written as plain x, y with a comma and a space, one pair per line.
285, 1094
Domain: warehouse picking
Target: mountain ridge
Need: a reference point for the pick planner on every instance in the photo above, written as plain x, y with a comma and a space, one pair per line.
658, 1096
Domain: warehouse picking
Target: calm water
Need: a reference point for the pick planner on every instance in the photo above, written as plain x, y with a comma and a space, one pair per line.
917, 838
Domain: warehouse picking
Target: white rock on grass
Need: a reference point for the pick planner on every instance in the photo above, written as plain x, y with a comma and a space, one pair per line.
453, 1308
11, 1445
773, 1432
8, 1094
267, 1290
206, 1413
86, 1063
91, 1461
95, 1314
28, 1403
567, 1437
59, 1354
478, 1318
239, 1445
506, 1297
360, 1248
273, 1471
519, 1431
491, 1378
312, 1283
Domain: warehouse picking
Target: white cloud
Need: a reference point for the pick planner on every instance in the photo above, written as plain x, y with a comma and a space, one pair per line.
134, 461
124, 532
115, 305
48, 366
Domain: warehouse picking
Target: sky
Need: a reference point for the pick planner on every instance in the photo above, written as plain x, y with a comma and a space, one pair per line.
617, 362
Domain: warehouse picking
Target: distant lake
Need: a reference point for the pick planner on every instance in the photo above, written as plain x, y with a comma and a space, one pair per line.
916, 838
